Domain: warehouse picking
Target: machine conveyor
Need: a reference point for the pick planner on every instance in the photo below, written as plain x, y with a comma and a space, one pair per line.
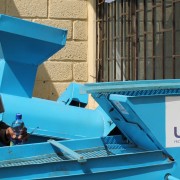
144, 148
104, 156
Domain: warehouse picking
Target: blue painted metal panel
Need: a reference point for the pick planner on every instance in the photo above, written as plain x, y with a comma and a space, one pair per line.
139, 111
18, 79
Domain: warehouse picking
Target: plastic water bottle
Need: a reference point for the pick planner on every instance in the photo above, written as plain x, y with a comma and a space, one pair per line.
17, 126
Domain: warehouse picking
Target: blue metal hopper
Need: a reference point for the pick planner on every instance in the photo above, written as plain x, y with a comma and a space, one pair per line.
25, 45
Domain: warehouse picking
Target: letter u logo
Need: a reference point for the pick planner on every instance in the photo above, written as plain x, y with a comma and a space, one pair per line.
175, 133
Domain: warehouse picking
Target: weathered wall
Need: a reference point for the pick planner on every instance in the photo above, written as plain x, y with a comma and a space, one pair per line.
69, 64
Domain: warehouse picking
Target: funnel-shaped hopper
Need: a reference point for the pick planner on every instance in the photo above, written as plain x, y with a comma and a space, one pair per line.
24, 46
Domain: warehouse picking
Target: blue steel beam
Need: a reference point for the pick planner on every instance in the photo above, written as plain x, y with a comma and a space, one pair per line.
127, 86
65, 149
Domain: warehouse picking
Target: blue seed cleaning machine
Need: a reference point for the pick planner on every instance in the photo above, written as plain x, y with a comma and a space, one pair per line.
78, 144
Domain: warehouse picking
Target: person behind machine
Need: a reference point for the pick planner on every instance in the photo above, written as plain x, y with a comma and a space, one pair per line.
7, 133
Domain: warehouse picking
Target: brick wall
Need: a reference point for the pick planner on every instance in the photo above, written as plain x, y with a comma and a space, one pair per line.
69, 64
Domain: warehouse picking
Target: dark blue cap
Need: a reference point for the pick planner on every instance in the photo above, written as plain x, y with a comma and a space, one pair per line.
18, 116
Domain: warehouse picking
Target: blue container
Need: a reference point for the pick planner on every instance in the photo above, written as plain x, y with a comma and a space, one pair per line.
147, 113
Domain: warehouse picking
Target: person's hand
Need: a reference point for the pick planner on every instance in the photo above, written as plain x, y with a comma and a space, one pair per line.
11, 135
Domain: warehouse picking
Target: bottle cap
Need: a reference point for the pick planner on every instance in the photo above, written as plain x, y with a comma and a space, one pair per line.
18, 116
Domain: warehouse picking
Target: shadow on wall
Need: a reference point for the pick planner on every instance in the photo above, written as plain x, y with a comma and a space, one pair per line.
44, 86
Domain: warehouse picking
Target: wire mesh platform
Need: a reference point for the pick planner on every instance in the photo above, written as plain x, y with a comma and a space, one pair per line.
110, 148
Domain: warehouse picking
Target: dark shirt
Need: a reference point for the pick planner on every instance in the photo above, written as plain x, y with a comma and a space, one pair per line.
3, 139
